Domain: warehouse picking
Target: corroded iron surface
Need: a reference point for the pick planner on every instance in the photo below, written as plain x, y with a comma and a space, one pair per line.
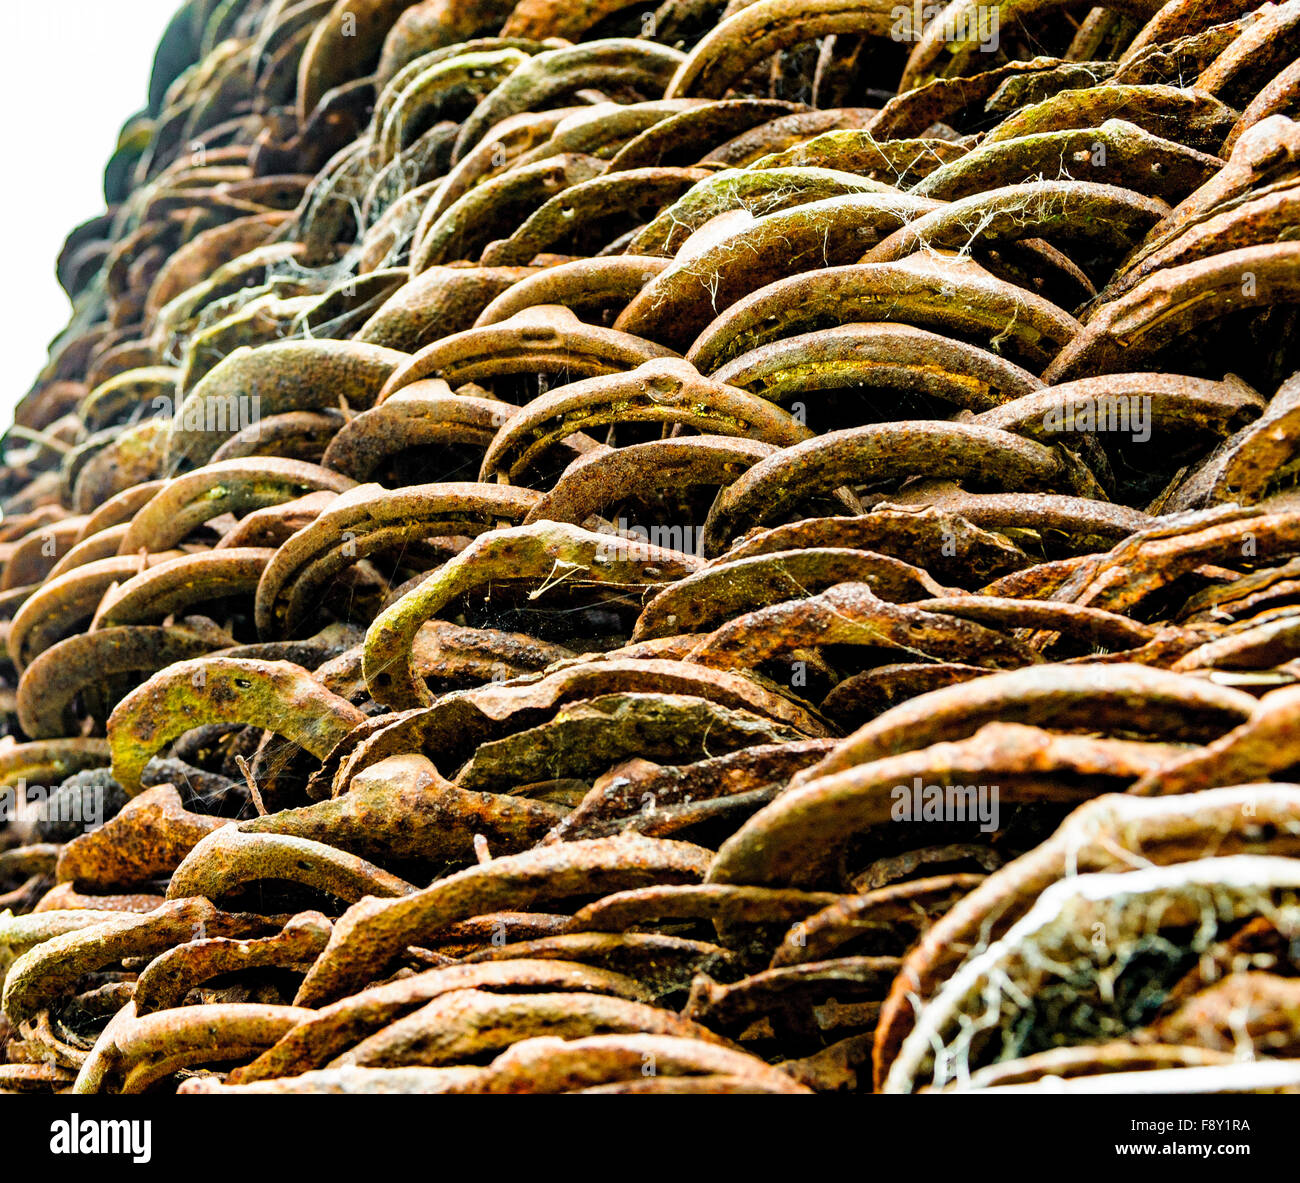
589, 547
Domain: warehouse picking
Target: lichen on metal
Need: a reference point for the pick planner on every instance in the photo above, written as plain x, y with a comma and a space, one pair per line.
536, 502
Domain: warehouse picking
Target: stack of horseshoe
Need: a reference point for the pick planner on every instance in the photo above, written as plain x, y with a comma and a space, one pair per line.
727, 547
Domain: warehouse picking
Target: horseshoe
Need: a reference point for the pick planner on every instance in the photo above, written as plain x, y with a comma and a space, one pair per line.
711, 275
726, 53
585, 739
230, 858
880, 356
473, 221
851, 614
958, 32
370, 519
1177, 404
1064, 912
468, 1023
1056, 697
418, 415
546, 339
601, 129
703, 601
174, 587
379, 931
766, 191
50, 761
515, 136
1100, 836
1255, 747
52, 968
124, 395
226, 486
638, 64
332, 1029
666, 391
940, 294
31, 561
549, 1065
152, 1047
528, 554
845, 988
427, 91
1255, 221
912, 906
880, 452
276, 695
171, 975
437, 302
685, 137
584, 285
1105, 217
900, 163
60, 606
1117, 153
401, 808
585, 211
932, 538
1187, 117
57, 676
800, 838
721, 904
646, 471
295, 435
286, 376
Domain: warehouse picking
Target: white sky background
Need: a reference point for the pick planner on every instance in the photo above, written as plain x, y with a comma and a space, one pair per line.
75, 71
